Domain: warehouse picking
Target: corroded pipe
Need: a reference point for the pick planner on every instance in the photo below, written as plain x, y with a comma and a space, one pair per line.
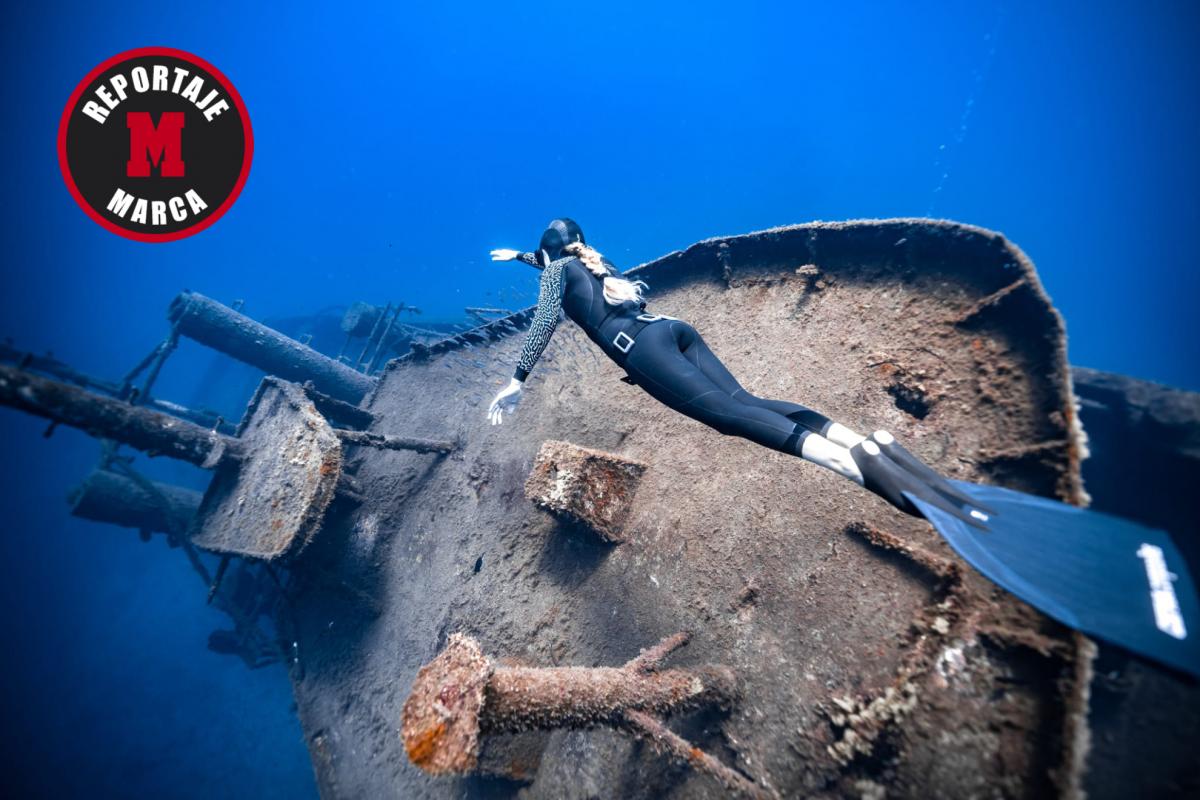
106, 496
142, 429
385, 442
530, 698
338, 411
210, 323
48, 365
462, 694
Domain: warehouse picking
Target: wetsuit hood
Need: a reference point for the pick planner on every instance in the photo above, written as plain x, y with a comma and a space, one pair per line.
558, 234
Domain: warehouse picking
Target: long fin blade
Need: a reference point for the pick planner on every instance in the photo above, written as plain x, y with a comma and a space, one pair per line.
1106, 576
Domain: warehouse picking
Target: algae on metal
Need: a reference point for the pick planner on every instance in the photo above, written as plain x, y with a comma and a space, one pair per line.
936, 331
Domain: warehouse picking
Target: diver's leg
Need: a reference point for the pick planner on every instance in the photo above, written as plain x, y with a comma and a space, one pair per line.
657, 364
878, 462
664, 364
697, 351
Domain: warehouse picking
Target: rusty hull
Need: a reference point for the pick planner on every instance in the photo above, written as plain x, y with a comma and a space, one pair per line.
868, 660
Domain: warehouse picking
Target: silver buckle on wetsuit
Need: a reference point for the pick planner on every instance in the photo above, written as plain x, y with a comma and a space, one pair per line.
623, 346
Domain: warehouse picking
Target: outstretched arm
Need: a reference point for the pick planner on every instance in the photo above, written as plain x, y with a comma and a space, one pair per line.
505, 254
545, 320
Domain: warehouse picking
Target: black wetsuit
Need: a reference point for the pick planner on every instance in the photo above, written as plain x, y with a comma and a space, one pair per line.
665, 356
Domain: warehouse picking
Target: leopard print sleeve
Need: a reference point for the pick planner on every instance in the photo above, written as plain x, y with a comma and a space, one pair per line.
545, 319
530, 259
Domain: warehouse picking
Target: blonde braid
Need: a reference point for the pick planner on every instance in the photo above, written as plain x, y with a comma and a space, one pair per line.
616, 290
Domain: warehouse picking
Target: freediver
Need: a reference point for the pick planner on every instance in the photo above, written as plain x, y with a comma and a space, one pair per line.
1101, 574
669, 359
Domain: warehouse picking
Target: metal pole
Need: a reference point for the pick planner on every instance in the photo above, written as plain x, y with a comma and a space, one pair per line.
362, 357
142, 429
217, 326
337, 411
53, 367
160, 359
379, 349
384, 442
106, 496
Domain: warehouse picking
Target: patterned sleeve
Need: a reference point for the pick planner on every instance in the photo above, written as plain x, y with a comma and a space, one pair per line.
530, 259
545, 319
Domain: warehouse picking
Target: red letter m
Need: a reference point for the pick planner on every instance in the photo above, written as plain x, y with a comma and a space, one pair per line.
162, 145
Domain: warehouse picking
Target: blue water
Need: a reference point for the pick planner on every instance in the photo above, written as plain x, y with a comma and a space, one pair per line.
395, 147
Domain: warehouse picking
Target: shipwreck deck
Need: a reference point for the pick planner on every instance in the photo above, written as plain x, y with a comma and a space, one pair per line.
867, 654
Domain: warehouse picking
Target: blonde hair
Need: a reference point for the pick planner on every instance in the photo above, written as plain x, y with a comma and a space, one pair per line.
616, 290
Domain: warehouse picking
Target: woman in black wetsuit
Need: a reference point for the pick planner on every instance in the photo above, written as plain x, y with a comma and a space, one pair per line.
670, 360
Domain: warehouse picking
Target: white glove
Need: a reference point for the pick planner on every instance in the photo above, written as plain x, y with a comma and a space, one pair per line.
505, 401
504, 254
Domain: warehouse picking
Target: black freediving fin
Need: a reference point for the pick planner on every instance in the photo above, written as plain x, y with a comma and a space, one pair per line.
1103, 575
899, 486
897, 453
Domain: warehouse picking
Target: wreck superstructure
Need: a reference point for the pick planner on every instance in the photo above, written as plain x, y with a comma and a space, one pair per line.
867, 657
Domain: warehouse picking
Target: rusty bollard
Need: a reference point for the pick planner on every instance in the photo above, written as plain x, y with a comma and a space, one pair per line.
588, 486
462, 694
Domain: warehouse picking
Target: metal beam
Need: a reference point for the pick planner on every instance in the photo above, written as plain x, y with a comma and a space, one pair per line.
218, 326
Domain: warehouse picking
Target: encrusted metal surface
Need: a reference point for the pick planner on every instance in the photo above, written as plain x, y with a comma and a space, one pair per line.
461, 694
441, 718
870, 656
271, 502
589, 486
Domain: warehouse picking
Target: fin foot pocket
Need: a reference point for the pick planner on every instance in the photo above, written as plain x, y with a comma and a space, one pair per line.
889, 480
925, 474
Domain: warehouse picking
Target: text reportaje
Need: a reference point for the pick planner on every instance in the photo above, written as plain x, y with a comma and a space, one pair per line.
155, 78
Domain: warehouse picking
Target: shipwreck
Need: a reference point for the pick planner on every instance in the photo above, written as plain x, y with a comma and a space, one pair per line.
469, 611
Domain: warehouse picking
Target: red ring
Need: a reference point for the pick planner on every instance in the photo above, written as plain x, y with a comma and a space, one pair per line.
195, 61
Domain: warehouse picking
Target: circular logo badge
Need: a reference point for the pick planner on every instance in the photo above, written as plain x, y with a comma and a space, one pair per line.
155, 144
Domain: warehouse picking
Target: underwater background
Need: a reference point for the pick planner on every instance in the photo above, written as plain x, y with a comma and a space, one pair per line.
395, 146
